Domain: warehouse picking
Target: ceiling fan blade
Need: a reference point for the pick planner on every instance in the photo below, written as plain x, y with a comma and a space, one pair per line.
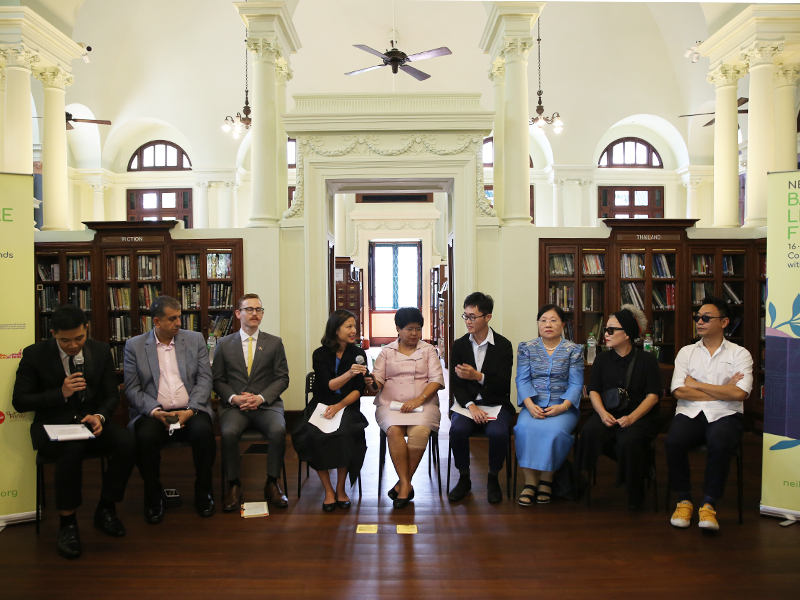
743, 112
69, 126
370, 50
91, 121
365, 70
443, 51
711, 122
696, 115
742, 101
415, 73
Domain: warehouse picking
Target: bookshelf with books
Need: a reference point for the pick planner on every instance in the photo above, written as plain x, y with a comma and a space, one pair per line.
63, 274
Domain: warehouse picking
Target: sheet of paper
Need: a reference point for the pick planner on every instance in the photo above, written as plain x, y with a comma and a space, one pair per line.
255, 509
65, 433
406, 529
492, 411
395, 405
367, 529
325, 425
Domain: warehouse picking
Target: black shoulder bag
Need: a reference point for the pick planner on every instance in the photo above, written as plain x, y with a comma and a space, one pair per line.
616, 399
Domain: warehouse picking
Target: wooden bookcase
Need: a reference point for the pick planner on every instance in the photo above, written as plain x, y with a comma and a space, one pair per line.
63, 274
349, 293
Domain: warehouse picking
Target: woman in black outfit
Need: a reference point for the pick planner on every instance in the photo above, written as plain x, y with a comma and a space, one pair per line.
624, 434
338, 383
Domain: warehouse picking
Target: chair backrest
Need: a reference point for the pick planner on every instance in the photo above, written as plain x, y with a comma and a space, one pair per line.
309, 385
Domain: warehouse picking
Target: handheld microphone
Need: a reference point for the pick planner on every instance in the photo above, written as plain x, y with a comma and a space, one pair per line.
78, 362
360, 361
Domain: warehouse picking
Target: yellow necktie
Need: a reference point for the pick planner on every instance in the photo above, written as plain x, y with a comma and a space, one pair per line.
249, 355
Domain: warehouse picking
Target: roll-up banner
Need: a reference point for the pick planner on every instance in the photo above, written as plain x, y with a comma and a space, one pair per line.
780, 484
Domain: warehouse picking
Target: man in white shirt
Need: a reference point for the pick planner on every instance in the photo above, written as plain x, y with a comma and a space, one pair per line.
712, 379
250, 374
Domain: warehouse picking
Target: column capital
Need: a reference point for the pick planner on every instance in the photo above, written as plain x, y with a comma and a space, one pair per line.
53, 77
585, 182
265, 49
692, 184
555, 181
516, 48
19, 56
725, 75
761, 53
99, 186
787, 75
2, 79
203, 185
283, 72
497, 73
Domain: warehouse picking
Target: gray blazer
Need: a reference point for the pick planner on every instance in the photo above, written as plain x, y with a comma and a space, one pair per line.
269, 375
141, 372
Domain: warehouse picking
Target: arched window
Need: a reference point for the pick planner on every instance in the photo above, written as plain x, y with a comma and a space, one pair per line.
488, 153
159, 155
630, 153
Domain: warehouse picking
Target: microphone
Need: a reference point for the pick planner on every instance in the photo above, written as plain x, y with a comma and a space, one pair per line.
78, 362
360, 361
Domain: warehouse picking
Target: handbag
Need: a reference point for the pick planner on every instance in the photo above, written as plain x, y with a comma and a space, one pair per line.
616, 399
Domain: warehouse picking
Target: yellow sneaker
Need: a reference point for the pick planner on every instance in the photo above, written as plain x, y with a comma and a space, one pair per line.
683, 514
708, 518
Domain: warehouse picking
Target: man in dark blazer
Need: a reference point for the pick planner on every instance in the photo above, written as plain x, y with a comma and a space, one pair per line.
168, 384
250, 373
51, 382
480, 375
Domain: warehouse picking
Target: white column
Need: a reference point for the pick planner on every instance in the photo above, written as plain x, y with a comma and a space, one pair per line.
339, 225
263, 159
588, 208
692, 209
785, 124
18, 135
516, 188
282, 74
761, 129
200, 206
558, 201
55, 184
726, 147
99, 201
224, 205
2, 115
235, 204
498, 77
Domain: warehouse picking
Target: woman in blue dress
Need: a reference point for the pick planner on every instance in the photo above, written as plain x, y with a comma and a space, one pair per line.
549, 383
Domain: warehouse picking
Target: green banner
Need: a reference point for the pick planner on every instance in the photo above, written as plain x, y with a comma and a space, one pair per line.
780, 479
17, 330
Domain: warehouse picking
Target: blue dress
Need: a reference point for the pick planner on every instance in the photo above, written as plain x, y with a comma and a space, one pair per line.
543, 444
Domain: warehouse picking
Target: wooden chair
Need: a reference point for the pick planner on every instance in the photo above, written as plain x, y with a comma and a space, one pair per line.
650, 475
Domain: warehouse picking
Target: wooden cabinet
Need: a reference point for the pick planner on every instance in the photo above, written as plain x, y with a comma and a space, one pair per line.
63, 275
349, 293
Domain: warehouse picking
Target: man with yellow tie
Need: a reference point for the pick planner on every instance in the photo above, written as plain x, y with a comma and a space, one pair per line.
250, 373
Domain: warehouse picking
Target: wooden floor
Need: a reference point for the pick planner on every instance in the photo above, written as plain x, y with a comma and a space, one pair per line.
467, 550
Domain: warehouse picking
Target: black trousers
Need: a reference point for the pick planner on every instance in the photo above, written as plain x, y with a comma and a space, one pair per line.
151, 435
114, 441
498, 431
720, 437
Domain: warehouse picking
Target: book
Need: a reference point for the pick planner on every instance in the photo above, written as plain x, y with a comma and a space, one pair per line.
254, 509
66, 433
492, 411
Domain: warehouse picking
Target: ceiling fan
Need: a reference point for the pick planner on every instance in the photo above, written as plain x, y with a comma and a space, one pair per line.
70, 119
740, 102
396, 59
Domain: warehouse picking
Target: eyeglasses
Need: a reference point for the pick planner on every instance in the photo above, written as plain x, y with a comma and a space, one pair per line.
611, 330
704, 318
412, 329
548, 321
250, 310
471, 318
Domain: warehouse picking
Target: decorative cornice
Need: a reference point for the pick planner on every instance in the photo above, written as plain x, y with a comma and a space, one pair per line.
394, 225
760, 53
516, 48
264, 49
19, 56
725, 75
53, 77
787, 76
386, 103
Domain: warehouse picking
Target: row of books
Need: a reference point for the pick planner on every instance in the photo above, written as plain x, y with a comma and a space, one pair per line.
702, 264
220, 325
119, 328
661, 267
147, 293
562, 264
569, 330
219, 266
145, 323
700, 290
149, 266
82, 297
730, 295
49, 272
118, 355
118, 268
632, 266
658, 331
728, 266
189, 267
190, 322
220, 295
664, 299
49, 299
119, 298
79, 269
762, 265
594, 264
562, 296
592, 296
633, 293
189, 295
45, 323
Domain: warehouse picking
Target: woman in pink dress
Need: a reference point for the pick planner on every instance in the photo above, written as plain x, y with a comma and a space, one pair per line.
407, 371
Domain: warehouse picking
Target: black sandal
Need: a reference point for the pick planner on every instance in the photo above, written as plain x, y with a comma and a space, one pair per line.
544, 497
527, 499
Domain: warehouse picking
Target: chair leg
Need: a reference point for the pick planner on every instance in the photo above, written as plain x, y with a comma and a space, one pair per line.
222, 480
285, 485
508, 468
359, 486
740, 482
299, 475
39, 495
437, 462
590, 473
430, 453
449, 461
655, 493
381, 460
516, 464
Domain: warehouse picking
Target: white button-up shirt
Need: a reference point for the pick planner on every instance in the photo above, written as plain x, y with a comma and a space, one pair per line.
696, 361
479, 352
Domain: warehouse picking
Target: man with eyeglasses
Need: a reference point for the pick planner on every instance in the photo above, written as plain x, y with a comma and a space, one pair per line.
712, 379
480, 376
250, 374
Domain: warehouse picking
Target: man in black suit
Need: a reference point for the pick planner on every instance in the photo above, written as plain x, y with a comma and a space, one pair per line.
250, 374
480, 375
49, 383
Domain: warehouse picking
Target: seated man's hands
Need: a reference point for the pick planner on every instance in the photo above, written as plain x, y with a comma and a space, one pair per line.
480, 416
73, 383
95, 423
466, 371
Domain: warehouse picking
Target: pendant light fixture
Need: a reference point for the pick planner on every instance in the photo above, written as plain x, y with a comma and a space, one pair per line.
239, 122
540, 119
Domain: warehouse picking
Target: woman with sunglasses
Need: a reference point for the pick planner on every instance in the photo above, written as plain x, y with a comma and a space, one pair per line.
549, 381
625, 433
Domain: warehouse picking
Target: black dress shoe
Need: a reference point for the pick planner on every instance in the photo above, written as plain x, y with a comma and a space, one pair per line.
106, 520
329, 507
154, 513
345, 504
69, 542
461, 489
204, 505
392, 493
495, 494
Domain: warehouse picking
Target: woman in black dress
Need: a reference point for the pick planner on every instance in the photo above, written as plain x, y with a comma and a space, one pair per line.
626, 433
338, 383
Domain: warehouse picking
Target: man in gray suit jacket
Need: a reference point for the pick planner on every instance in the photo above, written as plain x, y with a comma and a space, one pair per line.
168, 384
250, 373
